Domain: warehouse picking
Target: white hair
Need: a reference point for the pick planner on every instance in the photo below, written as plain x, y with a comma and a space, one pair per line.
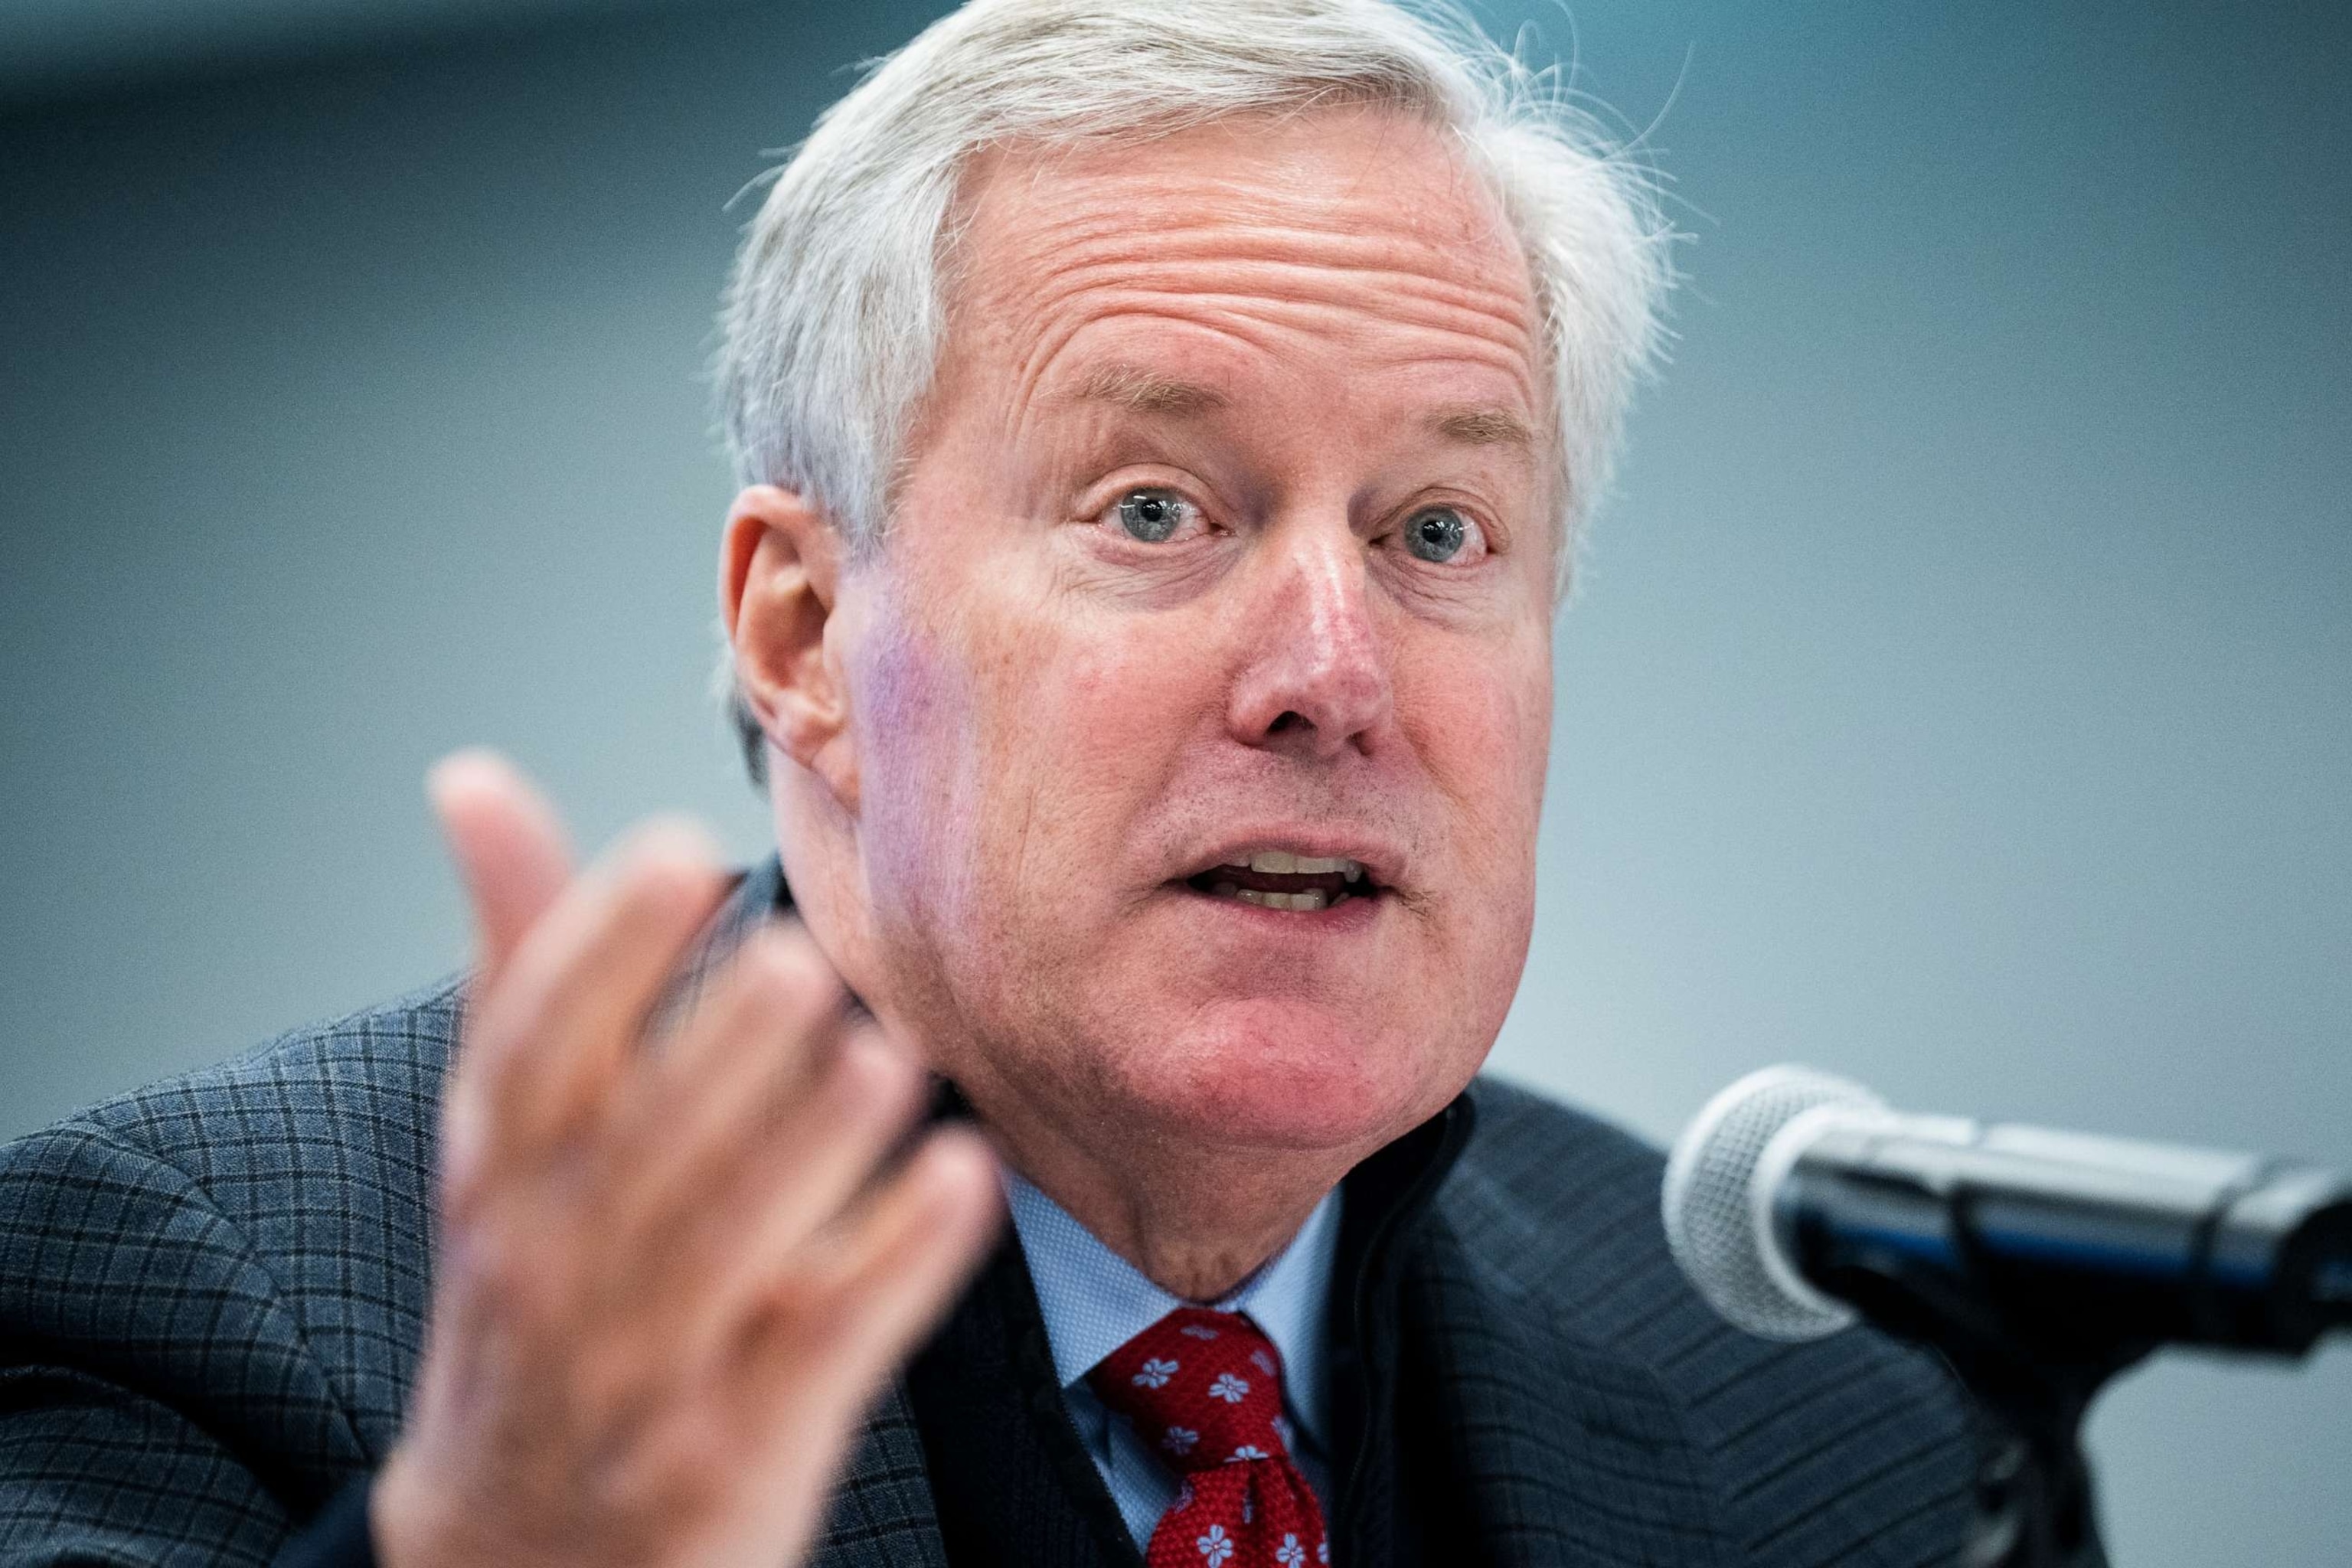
834, 315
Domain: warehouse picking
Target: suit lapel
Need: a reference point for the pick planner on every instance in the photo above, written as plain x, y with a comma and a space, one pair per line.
1010, 1479
1566, 1452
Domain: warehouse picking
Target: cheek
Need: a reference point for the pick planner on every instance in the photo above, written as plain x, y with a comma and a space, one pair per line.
915, 774
1014, 751
1480, 725
1485, 743
1083, 726
1128, 701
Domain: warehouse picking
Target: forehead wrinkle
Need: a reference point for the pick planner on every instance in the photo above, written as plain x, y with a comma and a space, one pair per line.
1403, 299
1074, 252
1282, 330
1133, 223
1210, 271
1265, 270
1067, 292
1053, 339
1262, 328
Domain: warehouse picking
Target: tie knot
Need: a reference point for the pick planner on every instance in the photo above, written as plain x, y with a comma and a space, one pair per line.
1202, 1388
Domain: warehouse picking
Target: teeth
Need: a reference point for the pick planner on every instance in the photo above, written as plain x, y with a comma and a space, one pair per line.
1306, 902
1286, 863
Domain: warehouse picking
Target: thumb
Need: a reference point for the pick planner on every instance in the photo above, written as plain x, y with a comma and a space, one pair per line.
509, 844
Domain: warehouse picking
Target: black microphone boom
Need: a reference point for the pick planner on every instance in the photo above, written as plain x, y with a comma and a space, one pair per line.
1796, 1199
2069, 1241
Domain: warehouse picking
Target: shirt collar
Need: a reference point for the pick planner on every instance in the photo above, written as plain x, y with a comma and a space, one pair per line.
1093, 1300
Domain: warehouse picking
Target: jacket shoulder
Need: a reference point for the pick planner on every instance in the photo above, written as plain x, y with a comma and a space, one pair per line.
290, 1186
364, 1087
1853, 1448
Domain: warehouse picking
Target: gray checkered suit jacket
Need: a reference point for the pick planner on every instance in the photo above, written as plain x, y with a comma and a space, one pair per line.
213, 1291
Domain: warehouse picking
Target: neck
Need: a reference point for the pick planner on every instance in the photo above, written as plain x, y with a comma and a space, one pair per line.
1196, 1223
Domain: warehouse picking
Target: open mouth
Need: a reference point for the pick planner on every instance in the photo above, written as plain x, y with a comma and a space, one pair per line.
1280, 880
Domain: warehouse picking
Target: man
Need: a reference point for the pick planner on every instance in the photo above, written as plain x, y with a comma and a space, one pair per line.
1163, 430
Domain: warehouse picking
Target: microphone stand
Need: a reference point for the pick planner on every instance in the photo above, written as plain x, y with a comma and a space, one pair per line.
2035, 1502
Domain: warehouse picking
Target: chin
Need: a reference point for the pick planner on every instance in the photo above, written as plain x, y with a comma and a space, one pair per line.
1281, 1074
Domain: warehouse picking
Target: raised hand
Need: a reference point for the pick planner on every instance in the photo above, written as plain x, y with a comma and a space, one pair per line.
668, 1280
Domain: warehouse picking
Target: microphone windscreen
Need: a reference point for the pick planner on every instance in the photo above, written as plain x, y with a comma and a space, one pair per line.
1718, 1224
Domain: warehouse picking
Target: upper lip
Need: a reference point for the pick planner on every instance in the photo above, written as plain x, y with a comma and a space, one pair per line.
1383, 862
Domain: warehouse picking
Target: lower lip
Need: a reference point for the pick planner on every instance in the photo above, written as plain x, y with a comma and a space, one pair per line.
1355, 912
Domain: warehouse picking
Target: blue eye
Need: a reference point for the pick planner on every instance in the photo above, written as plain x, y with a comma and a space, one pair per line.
1150, 515
1436, 533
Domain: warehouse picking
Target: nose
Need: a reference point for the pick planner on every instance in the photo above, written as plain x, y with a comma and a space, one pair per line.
1317, 681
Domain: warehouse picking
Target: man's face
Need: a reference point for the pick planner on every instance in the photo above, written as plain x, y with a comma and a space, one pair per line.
1227, 535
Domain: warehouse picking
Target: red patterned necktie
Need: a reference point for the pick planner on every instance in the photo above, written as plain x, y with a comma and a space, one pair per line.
1204, 1390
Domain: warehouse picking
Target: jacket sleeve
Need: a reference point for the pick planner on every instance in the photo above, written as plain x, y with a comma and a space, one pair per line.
158, 1401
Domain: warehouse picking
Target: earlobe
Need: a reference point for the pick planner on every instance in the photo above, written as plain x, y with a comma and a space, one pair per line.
778, 572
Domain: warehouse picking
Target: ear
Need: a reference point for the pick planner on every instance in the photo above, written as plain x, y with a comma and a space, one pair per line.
779, 571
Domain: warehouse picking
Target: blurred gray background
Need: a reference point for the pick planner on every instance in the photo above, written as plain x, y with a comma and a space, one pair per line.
1960, 694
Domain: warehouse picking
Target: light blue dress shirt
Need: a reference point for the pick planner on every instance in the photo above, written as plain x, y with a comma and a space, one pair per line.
1094, 1302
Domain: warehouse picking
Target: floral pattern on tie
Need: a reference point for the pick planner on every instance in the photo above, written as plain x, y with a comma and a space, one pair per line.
1203, 1389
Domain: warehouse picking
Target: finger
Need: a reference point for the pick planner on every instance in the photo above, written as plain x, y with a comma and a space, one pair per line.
737, 1114
886, 1280
509, 844
547, 1044
764, 1206
778, 982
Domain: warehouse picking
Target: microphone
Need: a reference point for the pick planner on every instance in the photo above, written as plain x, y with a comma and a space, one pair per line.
1797, 1202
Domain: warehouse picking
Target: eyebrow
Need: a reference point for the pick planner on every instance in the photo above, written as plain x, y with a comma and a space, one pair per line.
1142, 391
1482, 427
